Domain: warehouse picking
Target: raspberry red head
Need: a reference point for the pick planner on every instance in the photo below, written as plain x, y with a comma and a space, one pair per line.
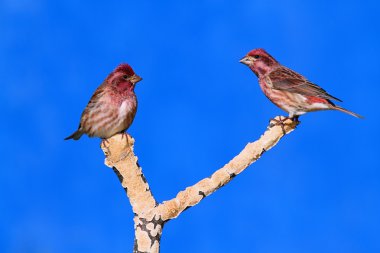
259, 61
123, 77
125, 69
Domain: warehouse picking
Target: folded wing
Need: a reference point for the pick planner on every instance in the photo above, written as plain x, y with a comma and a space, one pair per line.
286, 79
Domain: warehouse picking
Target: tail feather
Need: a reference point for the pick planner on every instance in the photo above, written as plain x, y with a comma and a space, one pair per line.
76, 135
348, 112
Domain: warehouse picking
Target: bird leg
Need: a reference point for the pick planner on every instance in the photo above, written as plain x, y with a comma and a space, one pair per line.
296, 119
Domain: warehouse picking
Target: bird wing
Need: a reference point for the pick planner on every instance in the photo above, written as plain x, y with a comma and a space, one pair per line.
286, 79
95, 102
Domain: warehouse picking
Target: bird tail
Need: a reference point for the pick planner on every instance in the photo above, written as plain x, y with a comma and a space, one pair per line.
76, 135
347, 111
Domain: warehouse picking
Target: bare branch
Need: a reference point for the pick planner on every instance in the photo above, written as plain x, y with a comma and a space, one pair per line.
151, 217
252, 152
120, 157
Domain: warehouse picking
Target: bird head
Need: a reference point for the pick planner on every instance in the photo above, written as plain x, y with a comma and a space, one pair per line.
259, 61
123, 77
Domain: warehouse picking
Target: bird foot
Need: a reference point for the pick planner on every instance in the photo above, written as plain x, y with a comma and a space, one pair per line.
281, 122
105, 146
124, 135
104, 142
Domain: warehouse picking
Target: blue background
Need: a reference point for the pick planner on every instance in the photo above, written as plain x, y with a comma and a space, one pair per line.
316, 191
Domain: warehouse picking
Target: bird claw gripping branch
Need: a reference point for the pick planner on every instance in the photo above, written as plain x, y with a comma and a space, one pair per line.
283, 121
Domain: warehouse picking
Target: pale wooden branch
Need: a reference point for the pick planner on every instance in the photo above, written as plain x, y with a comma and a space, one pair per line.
120, 157
150, 216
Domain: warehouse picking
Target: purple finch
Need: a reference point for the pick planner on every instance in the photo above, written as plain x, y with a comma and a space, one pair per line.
287, 89
112, 107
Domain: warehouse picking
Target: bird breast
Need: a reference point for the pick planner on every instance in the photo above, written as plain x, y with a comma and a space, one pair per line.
126, 107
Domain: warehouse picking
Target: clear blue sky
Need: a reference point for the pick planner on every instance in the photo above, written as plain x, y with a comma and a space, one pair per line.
317, 191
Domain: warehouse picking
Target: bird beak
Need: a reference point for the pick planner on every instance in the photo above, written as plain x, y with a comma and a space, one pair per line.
246, 60
135, 79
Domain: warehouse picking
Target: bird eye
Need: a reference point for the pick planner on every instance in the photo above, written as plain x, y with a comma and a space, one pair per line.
125, 76
256, 56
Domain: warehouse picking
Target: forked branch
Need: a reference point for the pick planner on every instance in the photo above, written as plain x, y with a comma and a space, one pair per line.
151, 216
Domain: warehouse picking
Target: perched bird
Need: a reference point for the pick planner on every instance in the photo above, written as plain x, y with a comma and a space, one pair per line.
287, 89
112, 107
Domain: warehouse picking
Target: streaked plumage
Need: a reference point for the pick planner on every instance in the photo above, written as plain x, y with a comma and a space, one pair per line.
112, 107
287, 89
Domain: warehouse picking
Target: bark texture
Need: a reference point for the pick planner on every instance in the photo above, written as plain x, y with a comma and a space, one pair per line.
151, 216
